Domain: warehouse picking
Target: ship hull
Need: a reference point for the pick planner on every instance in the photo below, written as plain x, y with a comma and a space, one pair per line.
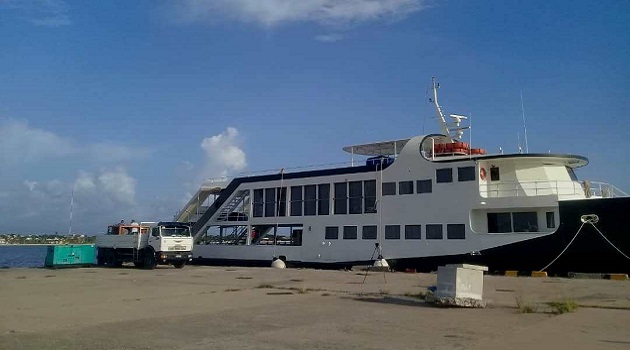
589, 252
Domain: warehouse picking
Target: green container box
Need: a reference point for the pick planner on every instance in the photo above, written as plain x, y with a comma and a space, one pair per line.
70, 255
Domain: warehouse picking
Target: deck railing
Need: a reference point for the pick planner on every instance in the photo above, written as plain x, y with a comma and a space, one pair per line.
586, 189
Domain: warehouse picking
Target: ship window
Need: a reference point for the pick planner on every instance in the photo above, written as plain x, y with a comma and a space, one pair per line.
369, 190
270, 196
525, 221
405, 187
424, 186
444, 175
551, 220
494, 173
392, 231
466, 173
310, 199
341, 198
323, 203
369, 232
296, 200
356, 197
499, 222
455, 231
281, 198
413, 232
332, 232
349, 232
389, 188
258, 203
434, 231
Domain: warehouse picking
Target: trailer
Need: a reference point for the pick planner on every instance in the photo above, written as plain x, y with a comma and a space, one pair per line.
145, 244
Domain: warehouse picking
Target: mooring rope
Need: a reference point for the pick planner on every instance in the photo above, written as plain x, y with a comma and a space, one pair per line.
591, 219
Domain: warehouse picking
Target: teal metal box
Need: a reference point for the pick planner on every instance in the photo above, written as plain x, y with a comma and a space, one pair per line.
69, 255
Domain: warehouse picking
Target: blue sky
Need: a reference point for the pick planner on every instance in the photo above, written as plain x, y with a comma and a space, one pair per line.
132, 103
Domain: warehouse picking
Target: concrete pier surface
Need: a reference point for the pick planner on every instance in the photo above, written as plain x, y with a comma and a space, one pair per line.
262, 308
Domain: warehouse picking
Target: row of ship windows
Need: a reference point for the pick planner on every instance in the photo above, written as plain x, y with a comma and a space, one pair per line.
354, 197
432, 231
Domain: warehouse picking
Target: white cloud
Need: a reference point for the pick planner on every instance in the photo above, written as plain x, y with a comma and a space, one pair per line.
329, 38
46, 13
223, 153
272, 13
21, 143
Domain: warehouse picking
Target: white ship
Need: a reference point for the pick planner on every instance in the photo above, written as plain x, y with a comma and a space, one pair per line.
421, 202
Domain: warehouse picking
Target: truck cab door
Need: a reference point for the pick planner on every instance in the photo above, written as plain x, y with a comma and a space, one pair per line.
154, 239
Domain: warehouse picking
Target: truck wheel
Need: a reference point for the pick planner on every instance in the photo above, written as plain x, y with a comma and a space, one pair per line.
148, 259
179, 265
139, 264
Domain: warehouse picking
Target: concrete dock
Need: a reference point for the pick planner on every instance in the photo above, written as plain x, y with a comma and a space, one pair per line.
263, 308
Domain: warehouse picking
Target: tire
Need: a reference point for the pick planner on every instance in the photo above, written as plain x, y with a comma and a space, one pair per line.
149, 261
179, 265
138, 264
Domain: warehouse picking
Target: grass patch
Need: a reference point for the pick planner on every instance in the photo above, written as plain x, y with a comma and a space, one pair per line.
524, 307
265, 286
244, 278
232, 290
21, 277
326, 294
296, 280
563, 306
49, 276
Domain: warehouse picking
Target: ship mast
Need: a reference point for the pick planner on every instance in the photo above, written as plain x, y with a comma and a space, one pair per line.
445, 127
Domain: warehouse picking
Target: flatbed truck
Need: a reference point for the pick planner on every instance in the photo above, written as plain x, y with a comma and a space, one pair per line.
146, 245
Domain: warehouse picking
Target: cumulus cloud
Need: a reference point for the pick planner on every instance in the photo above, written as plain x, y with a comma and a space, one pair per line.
272, 13
21, 143
223, 154
46, 13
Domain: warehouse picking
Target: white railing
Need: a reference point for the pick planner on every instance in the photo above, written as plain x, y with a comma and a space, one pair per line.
223, 179
540, 188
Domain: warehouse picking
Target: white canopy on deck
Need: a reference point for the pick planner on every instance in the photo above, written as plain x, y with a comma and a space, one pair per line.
386, 148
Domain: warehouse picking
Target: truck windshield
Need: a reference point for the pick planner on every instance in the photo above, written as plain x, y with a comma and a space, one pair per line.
175, 232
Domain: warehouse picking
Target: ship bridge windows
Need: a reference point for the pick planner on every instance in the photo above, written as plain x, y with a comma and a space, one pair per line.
494, 173
551, 219
356, 197
341, 198
332, 232
434, 231
323, 201
413, 232
389, 188
513, 222
369, 232
466, 173
455, 231
444, 175
310, 200
392, 231
296, 200
349, 232
424, 186
369, 199
405, 187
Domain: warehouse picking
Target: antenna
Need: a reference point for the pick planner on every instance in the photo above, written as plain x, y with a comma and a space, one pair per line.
524, 123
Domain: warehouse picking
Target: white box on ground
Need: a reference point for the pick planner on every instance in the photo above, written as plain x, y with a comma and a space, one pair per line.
462, 283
